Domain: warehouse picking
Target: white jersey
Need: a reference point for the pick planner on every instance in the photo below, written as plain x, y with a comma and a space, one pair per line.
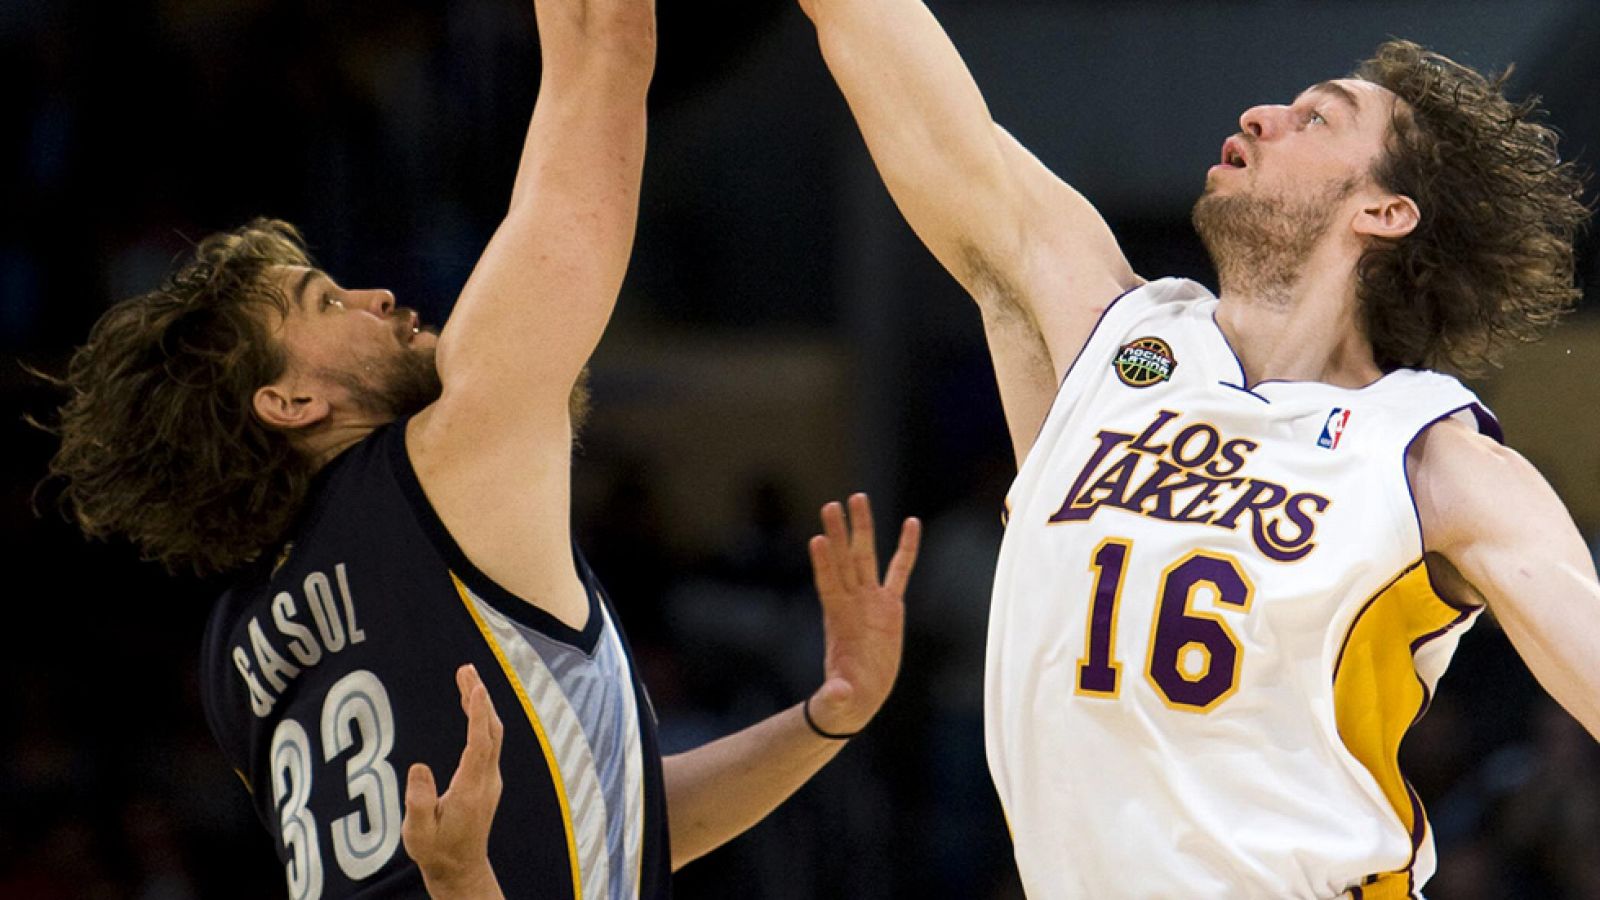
1211, 624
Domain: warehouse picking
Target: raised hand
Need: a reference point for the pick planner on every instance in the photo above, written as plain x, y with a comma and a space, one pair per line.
863, 616
448, 836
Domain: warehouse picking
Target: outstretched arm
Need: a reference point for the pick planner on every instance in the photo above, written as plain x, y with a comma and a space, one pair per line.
493, 454
1517, 549
716, 792
1037, 258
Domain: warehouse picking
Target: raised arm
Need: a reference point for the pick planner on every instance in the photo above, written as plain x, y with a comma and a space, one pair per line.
1037, 258
493, 454
541, 294
716, 792
1510, 543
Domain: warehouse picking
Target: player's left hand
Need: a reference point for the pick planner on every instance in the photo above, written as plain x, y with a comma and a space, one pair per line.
448, 836
863, 616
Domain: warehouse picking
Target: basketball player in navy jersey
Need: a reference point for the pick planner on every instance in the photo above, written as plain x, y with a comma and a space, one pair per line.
1247, 529
394, 504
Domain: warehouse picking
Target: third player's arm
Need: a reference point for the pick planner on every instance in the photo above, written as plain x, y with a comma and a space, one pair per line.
1037, 258
1502, 528
716, 792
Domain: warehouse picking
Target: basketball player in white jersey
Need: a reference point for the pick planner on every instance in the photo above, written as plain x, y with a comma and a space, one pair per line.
1246, 532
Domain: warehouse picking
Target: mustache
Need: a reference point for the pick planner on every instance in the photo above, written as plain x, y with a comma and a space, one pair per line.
406, 323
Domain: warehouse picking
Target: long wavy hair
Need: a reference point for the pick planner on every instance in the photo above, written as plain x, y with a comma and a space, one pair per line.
159, 440
1491, 263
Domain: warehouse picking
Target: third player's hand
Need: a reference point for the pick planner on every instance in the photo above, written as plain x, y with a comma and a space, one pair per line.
863, 615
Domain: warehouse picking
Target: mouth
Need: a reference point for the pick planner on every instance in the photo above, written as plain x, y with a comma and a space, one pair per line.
1233, 155
407, 326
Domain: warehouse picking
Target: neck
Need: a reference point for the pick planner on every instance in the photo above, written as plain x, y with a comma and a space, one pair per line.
330, 440
1306, 330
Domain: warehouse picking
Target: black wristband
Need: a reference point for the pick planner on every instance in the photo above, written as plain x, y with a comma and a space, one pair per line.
805, 710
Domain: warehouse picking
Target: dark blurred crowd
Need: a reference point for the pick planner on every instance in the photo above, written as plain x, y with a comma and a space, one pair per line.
390, 132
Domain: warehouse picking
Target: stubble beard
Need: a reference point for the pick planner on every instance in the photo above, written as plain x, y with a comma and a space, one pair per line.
394, 387
1260, 244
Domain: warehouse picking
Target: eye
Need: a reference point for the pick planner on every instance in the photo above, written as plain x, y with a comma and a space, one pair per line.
1315, 118
331, 300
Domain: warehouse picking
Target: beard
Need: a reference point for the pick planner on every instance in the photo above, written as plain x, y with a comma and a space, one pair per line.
406, 383
1259, 244
393, 386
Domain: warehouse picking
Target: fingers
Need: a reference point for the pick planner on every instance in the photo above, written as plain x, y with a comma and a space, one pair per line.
836, 540
422, 802
905, 557
480, 759
824, 572
863, 542
845, 555
466, 679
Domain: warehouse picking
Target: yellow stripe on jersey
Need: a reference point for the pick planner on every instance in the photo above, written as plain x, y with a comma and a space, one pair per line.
1377, 696
538, 730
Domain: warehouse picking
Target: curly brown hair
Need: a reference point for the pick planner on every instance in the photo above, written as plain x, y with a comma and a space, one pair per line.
1491, 261
159, 440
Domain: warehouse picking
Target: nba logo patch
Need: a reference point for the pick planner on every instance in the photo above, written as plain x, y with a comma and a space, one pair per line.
1333, 429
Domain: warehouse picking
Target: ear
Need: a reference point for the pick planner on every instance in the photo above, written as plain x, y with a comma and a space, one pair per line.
1388, 216
281, 408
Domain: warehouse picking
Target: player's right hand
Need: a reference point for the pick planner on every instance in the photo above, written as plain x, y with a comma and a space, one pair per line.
448, 836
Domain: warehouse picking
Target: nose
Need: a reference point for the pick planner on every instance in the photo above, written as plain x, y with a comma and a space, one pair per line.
377, 300
1263, 121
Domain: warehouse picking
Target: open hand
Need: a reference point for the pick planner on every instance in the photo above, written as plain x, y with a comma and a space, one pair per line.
448, 836
863, 616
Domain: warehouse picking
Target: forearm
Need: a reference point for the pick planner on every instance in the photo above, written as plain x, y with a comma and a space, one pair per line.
718, 791
1553, 628
541, 295
597, 61
924, 120
1033, 253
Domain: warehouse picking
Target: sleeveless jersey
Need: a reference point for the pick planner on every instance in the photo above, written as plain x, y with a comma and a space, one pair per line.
328, 671
1211, 624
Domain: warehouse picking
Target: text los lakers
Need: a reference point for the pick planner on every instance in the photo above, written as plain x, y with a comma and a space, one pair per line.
1191, 473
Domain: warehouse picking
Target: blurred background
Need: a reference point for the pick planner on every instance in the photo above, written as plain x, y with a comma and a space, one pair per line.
782, 339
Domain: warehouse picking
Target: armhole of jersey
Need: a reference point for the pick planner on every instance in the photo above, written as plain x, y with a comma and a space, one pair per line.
480, 585
1488, 426
591, 582
1072, 369
1090, 338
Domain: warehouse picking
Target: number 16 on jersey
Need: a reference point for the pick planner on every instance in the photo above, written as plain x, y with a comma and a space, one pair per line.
1194, 657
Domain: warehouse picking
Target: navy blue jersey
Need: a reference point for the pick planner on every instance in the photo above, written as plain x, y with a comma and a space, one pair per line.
328, 670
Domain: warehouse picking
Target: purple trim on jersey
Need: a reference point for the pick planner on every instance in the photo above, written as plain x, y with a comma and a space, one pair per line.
1350, 631
1005, 514
1246, 391
1244, 379
1483, 417
1419, 816
1487, 423
1087, 338
1462, 612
